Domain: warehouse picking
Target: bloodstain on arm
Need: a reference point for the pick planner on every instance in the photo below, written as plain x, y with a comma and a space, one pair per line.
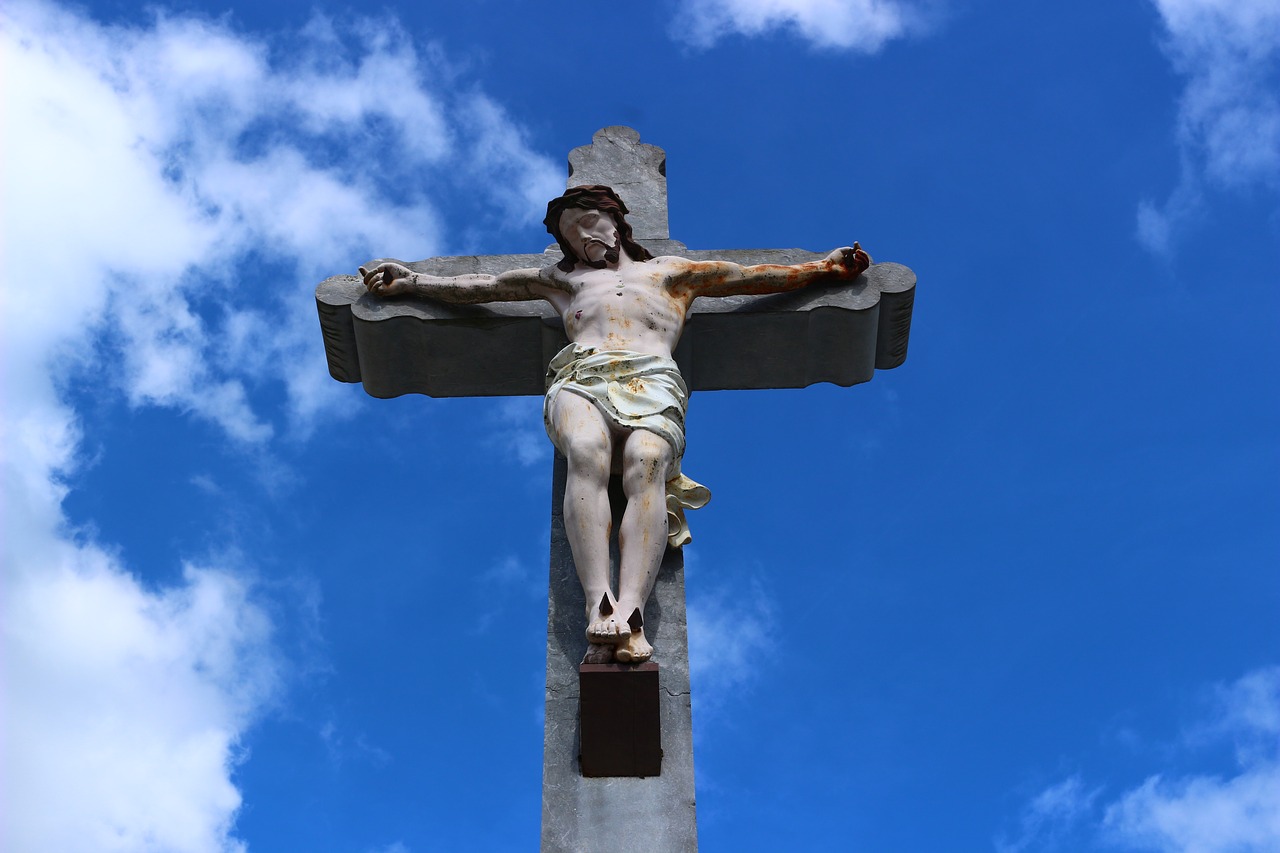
722, 278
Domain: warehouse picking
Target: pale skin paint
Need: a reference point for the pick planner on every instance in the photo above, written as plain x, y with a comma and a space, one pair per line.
640, 306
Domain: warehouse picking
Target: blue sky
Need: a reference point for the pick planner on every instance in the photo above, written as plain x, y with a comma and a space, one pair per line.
1019, 594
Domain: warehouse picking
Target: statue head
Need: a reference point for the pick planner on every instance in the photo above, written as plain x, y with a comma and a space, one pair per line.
592, 197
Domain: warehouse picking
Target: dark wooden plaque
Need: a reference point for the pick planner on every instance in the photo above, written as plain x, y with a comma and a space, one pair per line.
619, 720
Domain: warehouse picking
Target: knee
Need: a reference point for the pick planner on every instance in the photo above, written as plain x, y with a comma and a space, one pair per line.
645, 466
587, 452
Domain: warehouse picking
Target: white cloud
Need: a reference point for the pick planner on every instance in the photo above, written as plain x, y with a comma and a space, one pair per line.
397, 847
730, 632
499, 157
1250, 712
1048, 820
1213, 814
143, 167
1180, 812
518, 431
509, 575
1202, 814
859, 25
1229, 113
123, 707
153, 161
508, 582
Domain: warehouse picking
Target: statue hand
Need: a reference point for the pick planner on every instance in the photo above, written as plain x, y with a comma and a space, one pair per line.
849, 262
388, 279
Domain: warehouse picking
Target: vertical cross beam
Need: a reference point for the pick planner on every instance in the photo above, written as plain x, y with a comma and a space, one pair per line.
636, 170
580, 812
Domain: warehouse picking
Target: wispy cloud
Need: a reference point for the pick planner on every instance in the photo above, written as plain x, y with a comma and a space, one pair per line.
1229, 113
731, 630
340, 748
1202, 813
508, 582
172, 193
519, 433
1050, 820
857, 25
1179, 812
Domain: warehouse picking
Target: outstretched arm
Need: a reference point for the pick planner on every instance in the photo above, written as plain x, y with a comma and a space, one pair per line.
392, 279
721, 278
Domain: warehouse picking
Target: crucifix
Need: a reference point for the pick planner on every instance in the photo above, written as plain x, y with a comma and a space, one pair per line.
614, 325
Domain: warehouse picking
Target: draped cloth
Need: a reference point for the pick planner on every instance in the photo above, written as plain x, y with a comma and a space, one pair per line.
635, 391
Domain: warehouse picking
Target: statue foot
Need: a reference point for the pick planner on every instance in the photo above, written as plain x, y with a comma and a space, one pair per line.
636, 649
607, 627
598, 653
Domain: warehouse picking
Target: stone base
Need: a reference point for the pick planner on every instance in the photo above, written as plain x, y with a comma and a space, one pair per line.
619, 720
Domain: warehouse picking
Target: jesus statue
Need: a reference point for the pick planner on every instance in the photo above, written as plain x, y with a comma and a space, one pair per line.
615, 399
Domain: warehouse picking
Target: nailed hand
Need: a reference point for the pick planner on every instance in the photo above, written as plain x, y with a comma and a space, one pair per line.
388, 279
850, 261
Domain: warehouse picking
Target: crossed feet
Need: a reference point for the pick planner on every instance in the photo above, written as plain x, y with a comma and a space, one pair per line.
611, 638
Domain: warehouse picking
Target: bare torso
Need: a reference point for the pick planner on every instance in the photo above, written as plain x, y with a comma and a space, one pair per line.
632, 307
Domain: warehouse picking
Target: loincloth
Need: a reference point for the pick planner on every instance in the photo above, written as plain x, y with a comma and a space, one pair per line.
634, 391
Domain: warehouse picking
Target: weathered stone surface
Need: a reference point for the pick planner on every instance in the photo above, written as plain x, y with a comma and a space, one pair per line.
585, 815
838, 333
635, 170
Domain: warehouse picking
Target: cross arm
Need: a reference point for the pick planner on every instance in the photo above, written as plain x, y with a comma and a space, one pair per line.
838, 332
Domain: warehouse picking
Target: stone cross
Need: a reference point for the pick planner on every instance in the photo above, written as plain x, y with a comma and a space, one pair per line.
596, 720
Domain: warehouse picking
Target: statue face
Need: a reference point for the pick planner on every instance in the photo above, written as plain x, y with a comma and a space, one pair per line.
592, 234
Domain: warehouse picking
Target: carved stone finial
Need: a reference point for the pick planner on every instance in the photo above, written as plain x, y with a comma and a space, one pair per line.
635, 170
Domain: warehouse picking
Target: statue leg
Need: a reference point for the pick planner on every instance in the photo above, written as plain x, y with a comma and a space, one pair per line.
586, 438
642, 539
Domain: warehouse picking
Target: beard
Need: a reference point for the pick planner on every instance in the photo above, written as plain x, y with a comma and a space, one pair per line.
610, 257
